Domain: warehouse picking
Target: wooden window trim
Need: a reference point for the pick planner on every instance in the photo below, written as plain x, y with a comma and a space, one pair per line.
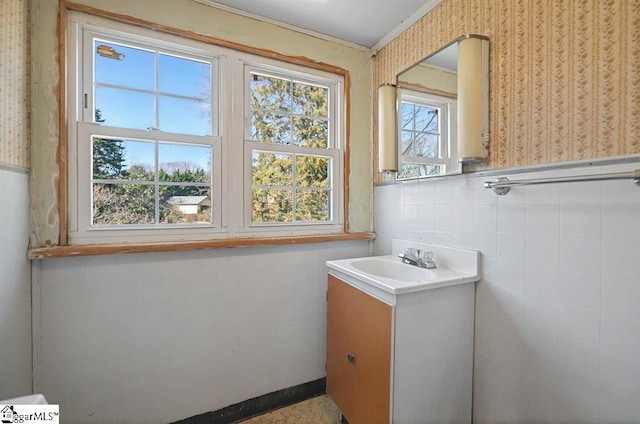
50, 252
63, 147
423, 89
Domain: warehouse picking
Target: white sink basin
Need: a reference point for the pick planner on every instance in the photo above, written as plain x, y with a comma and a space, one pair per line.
386, 276
393, 270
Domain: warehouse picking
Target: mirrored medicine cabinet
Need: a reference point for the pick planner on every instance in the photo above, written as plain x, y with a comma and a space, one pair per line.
442, 110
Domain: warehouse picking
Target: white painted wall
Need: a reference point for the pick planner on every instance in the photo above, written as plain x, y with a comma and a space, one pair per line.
151, 338
558, 309
15, 284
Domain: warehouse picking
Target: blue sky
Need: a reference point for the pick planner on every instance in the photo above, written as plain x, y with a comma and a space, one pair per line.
128, 90
143, 153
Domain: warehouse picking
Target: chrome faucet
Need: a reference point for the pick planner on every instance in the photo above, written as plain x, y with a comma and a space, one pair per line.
417, 257
410, 256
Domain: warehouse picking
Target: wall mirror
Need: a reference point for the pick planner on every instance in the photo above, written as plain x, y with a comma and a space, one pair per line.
442, 110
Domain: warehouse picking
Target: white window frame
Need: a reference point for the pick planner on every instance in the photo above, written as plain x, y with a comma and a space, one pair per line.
332, 151
231, 150
448, 148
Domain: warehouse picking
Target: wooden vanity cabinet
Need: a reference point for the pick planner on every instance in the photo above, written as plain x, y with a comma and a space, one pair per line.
358, 353
408, 359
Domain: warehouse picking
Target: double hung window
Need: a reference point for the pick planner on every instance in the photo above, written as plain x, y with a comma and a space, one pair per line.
174, 139
288, 141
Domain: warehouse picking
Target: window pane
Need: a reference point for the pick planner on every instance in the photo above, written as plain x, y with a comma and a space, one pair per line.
270, 128
185, 77
312, 205
420, 131
427, 145
119, 204
417, 170
310, 132
125, 108
124, 66
272, 205
426, 119
185, 116
270, 93
184, 163
185, 204
408, 144
310, 100
272, 169
312, 171
406, 112
408, 171
123, 160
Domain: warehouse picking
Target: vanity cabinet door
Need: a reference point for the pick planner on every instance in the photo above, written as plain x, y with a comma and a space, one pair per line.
358, 353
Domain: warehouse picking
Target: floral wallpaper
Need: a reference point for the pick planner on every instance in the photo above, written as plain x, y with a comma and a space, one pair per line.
14, 82
564, 74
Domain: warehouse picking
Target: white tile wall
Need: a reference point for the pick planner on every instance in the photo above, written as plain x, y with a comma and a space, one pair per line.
558, 308
151, 338
15, 285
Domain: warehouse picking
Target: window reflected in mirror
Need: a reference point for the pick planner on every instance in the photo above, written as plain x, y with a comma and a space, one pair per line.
427, 98
425, 134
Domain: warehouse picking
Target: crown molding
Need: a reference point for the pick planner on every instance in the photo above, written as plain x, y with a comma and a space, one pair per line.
284, 25
404, 25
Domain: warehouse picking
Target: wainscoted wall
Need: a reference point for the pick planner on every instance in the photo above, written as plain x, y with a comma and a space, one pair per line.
14, 82
558, 309
563, 74
15, 284
15, 269
161, 337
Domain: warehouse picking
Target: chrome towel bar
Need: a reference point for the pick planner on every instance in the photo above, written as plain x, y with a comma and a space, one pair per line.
503, 184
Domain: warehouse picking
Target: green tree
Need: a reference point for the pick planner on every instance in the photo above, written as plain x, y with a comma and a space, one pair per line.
134, 201
289, 112
108, 155
182, 172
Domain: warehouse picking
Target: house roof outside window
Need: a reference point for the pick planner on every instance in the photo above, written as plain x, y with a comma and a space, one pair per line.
190, 200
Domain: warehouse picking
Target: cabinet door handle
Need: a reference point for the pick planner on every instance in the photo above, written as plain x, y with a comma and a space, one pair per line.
350, 357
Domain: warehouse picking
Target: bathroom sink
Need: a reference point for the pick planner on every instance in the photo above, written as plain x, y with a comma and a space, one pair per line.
394, 270
387, 276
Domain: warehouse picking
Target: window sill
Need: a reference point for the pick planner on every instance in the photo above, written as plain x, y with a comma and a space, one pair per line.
51, 252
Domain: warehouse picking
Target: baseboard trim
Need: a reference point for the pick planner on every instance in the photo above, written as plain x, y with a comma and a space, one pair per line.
261, 404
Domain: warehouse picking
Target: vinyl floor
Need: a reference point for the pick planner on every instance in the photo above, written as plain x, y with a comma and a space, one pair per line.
317, 410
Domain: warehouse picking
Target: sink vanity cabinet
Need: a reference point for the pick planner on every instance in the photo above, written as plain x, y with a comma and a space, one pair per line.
358, 353
400, 351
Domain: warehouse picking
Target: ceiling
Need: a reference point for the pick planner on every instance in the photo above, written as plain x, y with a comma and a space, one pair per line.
361, 22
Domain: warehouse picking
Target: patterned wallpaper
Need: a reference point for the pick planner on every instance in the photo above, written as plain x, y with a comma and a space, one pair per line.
14, 82
564, 74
